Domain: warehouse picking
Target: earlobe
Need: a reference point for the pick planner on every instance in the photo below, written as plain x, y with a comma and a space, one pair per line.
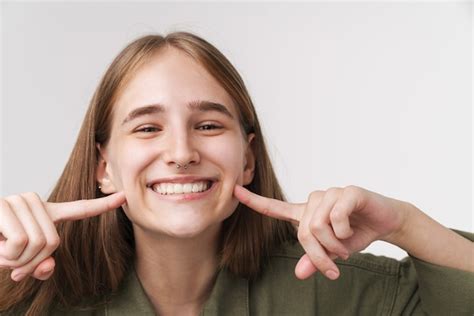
249, 168
103, 173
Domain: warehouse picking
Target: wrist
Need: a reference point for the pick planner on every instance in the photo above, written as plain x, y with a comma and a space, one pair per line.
401, 232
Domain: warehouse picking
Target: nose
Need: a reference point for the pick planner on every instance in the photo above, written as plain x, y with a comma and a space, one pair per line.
180, 151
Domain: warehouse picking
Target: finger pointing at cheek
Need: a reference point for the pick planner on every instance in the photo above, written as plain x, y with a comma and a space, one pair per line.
28, 215
84, 208
290, 212
300, 215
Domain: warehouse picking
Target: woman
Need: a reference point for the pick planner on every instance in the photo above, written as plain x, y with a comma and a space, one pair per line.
146, 216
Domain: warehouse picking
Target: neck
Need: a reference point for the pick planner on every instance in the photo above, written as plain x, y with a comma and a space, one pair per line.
177, 273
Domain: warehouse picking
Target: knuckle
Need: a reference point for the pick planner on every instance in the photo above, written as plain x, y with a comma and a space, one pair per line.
333, 192
30, 196
10, 258
315, 195
53, 243
352, 191
19, 240
317, 226
14, 200
304, 237
336, 215
320, 260
38, 242
4, 204
8, 198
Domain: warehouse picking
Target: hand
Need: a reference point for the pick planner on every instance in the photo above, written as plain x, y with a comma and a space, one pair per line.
332, 223
28, 235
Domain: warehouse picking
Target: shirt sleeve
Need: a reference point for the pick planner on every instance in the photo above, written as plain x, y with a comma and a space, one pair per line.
429, 289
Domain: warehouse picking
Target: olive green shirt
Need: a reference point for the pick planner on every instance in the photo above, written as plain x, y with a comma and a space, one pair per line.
368, 285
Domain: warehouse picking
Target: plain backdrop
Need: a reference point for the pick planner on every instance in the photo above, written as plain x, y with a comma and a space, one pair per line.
373, 94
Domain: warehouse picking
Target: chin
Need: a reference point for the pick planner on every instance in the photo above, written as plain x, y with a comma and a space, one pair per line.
187, 230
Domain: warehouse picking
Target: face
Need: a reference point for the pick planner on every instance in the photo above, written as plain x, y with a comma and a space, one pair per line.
173, 113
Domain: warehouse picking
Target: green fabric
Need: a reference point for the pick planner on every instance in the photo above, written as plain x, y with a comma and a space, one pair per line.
368, 285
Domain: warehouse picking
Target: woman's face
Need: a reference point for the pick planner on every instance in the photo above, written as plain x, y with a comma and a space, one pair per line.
173, 112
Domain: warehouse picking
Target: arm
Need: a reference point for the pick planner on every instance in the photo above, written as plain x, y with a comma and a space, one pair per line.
438, 276
428, 240
340, 221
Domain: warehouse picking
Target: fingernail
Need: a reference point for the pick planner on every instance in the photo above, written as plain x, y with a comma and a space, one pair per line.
332, 274
18, 277
345, 256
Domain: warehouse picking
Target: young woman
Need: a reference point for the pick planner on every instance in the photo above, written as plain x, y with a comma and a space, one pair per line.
146, 218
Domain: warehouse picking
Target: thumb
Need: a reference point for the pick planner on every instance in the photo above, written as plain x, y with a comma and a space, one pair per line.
45, 269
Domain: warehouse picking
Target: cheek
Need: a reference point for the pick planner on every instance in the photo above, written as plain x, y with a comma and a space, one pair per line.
228, 154
132, 158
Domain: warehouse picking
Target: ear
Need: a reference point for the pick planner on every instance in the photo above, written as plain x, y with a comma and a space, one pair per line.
103, 173
249, 168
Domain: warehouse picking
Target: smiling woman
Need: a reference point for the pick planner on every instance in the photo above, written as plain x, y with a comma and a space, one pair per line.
156, 108
146, 216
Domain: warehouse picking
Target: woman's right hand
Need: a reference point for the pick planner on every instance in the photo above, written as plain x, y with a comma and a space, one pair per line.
28, 235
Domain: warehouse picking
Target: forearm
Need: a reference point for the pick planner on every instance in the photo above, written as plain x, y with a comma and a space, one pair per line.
428, 240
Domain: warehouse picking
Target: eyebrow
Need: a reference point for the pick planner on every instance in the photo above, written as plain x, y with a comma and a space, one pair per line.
199, 105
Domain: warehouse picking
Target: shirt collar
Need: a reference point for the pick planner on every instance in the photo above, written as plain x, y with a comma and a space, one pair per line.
229, 296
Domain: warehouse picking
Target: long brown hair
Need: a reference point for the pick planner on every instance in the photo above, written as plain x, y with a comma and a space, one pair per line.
95, 254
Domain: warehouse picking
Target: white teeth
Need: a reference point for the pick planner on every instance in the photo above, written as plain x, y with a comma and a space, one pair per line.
188, 187
179, 188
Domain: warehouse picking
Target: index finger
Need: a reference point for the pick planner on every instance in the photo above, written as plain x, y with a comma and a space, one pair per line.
290, 212
84, 208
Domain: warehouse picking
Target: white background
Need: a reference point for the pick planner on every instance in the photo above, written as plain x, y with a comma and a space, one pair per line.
374, 94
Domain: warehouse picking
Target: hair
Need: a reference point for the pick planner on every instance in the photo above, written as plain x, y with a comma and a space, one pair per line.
95, 253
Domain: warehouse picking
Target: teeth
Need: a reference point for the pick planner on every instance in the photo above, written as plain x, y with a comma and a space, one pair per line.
180, 188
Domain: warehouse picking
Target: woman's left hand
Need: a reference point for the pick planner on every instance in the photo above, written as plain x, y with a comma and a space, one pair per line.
333, 223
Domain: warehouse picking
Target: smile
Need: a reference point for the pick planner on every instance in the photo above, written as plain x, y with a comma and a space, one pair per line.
181, 191
181, 188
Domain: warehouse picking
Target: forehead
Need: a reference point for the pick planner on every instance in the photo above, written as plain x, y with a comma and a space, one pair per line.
173, 79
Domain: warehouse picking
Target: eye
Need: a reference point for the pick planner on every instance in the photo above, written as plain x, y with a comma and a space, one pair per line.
208, 127
148, 129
